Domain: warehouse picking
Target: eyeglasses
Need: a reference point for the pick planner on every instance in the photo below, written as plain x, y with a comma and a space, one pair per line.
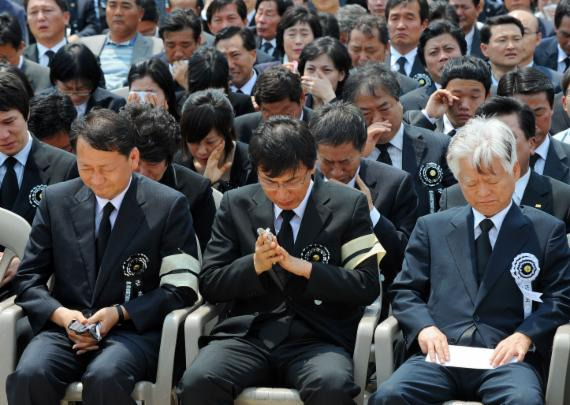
293, 184
70, 93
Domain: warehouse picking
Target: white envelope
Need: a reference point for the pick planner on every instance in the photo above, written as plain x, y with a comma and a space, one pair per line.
469, 357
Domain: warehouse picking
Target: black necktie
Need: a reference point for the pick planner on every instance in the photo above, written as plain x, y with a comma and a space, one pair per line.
238, 91
567, 63
533, 160
483, 247
402, 63
267, 47
451, 133
384, 156
10, 188
285, 239
49, 53
104, 233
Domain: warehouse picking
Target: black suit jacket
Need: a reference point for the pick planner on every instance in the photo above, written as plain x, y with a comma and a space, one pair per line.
246, 124
541, 192
476, 45
241, 172
275, 52
557, 163
422, 146
546, 54
197, 190
153, 221
241, 103
46, 165
418, 70
417, 99
560, 118
82, 18
418, 119
552, 75
99, 98
38, 75
437, 285
329, 303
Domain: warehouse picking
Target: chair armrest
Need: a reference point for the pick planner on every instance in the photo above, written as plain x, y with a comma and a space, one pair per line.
9, 317
5, 261
559, 367
362, 348
197, 324
166, 354
384, 348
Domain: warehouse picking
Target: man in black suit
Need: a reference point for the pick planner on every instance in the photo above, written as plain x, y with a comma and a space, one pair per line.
158, 139
340, 133
11, 49
27, 166
488, 275
550, 156
368, 42
532, 189
440, 42
468, 11
406, 21
268, 13
294, 300
122, 252
277, 92
554, 52
48, 30
420, 152
82, 19
465, 84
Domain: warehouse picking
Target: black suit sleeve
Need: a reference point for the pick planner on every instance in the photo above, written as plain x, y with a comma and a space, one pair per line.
418, 119
203, 212
148, 311
91, 24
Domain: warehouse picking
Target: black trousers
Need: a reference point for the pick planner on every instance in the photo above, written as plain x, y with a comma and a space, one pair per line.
48, 365
321, 372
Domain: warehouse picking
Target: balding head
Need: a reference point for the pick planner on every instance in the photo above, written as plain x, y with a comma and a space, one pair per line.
532, 35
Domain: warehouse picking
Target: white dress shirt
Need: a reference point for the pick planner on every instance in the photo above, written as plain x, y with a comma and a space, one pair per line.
21, 157
542, 151
297, 218
395, 148
42, 58
116, 201
247, 88
497, 219
561, 58
410, 57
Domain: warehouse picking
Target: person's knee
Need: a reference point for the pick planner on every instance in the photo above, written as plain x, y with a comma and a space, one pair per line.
198, 385
330, 385
388, 393
103, 380
525, 395
27, 376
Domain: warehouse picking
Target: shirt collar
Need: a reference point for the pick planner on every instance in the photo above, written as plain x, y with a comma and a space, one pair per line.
410, 56
447, 125
247, 88
300, 210
130, 42
116, 201
497, 219
561, 54
398, 140
542, 150
352, 182
22, 155
520, 187
271, 41
43, 49
21, 62
469, 37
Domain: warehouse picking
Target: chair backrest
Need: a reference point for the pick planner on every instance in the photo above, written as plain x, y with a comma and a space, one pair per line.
14, 235
568, 237
217, 197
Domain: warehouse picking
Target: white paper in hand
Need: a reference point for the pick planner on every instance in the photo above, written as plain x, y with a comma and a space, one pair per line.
469, 357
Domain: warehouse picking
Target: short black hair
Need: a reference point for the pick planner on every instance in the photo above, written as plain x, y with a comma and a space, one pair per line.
331, 47
10, 31
246, 35
282, 5
158, 134
179, 20
6, 67
276, 84
217, 5
204, 111
424, 7
565, 81
526, 80
295, 15
280, 144
338, 123
13, 95
329, 25
442, 10
367, 23
104, 130
150, 10
437, 28
467, 68
368, 78
51, 114
158, 71
75, 62
562, 10
485, 32
208, 68
499, 106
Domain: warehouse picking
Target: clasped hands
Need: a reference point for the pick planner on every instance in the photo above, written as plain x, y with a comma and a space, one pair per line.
433, 342
268, 252
107, 317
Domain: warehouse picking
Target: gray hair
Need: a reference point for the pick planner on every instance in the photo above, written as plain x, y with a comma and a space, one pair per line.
481, 141
347, 16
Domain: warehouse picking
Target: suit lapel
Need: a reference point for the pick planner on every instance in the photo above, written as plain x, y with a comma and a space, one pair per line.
413, 151
537, 193
141, 48
505, 249
314, 219
370, 181
554, 166
129, 219
83, 220
460, 240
